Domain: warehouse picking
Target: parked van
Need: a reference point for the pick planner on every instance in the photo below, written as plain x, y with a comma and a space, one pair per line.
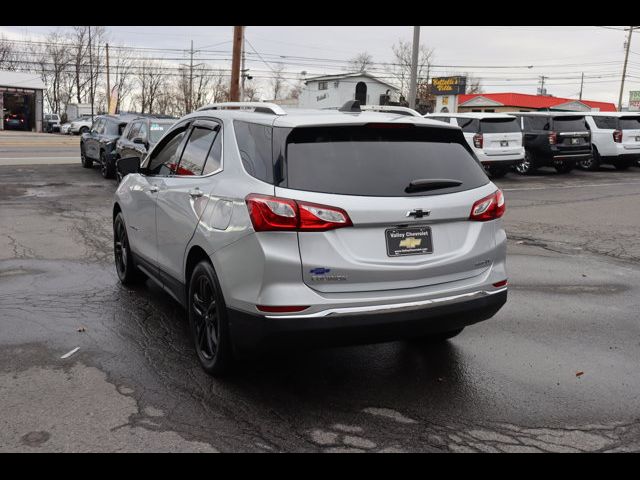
554, 139
495, 138
615, 139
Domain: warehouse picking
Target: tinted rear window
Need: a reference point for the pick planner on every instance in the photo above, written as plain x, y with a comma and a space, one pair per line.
630, 123
499, 125
606, 122
254, 144
469, 125
570, 124
369, 161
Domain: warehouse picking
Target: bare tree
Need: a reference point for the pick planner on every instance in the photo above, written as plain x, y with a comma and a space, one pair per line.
400, 69
474, 84
277, 81
122, 68
361, 62
151, 79
86, 75
8, 56
53, 61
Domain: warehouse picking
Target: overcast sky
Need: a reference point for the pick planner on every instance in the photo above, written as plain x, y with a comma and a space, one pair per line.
561, 53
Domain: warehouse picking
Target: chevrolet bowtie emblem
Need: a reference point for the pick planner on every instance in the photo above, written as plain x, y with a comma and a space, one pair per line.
418, 213
410, 242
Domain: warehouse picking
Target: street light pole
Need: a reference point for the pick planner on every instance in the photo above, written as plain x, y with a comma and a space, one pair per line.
414, 67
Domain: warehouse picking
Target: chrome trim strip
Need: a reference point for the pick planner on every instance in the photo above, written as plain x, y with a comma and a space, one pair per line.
396, 306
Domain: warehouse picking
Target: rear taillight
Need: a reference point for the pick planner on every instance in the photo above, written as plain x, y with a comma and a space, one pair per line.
553, 138
617, 136
488, 208
269, 213
502, 283
478, 140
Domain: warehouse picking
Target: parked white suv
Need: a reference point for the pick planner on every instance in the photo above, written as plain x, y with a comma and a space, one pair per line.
495, 138
615, 139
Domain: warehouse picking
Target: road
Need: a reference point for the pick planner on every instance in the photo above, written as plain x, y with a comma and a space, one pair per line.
555, 370
27, 148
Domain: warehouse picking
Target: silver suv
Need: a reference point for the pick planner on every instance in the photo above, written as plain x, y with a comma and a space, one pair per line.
312, 226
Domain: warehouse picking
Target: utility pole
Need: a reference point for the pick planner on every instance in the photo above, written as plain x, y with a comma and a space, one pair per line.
190, 100
90, 72
234, 91
624, 68
581, 85
108, 83
542, 77
242, 70
414, 67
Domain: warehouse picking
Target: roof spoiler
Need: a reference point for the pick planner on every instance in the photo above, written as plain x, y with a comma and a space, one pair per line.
352, 106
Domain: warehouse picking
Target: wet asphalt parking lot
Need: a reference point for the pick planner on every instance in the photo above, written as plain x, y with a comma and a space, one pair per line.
557, 369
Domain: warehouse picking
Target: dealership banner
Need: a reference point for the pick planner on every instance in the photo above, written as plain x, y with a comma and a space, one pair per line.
634, 100
449, 86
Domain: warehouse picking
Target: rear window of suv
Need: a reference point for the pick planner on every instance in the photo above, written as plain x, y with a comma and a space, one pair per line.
499, 125
605, 122
630, 123
570, 124
376, 161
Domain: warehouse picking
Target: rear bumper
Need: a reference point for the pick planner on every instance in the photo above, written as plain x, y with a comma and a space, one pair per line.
353, 325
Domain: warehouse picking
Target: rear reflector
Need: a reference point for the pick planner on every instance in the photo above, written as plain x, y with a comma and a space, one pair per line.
269, 213
281, 309
503, 283
488, 208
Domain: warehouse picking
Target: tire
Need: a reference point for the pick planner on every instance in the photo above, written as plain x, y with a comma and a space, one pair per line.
106, 168
593, 163
439, 337
83, 130
86, 161
563, 167
526, 166
125, 267
497, 172
209, 321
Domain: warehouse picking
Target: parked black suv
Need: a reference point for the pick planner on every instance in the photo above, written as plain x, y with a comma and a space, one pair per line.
140, 135
557, 139
98, 144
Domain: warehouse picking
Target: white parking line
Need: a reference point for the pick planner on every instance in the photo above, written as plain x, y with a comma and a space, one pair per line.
590, 185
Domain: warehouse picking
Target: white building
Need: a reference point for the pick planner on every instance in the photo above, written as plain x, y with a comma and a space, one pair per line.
333, 91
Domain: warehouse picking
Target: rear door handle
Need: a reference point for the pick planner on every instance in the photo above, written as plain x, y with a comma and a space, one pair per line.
195, 193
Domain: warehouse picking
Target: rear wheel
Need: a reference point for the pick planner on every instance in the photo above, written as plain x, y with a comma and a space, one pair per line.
592, 163
83, 130
208, 321
86, 162
526, 166
439, 337
105, 166
563, 167
127, 271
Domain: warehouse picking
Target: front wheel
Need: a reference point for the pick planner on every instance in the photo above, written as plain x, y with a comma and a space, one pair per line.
105, 166
127, 271
208, 321
83, 130
86, 161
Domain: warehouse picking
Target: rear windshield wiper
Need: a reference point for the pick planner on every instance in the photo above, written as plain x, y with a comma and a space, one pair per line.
422, 185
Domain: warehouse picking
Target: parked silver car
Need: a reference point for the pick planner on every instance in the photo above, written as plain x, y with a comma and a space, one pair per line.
318, 226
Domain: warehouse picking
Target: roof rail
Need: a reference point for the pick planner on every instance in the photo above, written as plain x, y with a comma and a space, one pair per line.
258, 107
391, 109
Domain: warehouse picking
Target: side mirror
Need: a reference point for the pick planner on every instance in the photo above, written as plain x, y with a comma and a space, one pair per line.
139, 140
128, 165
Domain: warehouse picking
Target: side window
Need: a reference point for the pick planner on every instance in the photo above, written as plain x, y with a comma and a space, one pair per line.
255, 146
214, 159
143, 132
165, 161
539, 123
195, 152
97, 126
469, 125
133, 133
605, 122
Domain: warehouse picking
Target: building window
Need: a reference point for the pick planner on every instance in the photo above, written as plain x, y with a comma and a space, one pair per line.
323, 85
